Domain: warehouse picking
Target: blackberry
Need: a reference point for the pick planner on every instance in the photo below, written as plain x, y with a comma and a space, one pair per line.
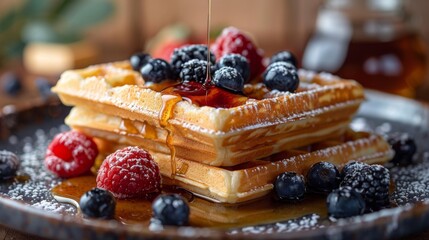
187, 53
372, 182
352, 167
138, 60
11, 83
194, 70
9, 164
156, 70
97, 203
229, 78
323, 177
289, 186
238, 62
284, 56
281, 76
404, 147
171, 209
345, 202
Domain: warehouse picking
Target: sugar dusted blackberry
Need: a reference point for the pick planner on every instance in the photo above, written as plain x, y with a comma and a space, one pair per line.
372, 182
238, 62
156, 70
345, 202
284, 56
281, 76
187, 53
138, 60
229, 78
323, 177
194, 70
404, 147
352, 167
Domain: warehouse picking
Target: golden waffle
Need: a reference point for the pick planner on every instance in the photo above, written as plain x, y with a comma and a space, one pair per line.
245, 181
267, 123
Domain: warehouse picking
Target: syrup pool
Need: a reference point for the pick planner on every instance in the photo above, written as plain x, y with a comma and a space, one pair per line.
203, 213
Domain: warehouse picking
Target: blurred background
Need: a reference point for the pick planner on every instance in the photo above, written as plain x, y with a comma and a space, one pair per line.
381, 43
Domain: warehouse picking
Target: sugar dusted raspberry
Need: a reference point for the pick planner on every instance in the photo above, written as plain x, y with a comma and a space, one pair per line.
233, 40
70, 154
128, 173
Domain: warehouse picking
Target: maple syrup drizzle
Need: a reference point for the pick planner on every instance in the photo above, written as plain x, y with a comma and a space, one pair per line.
168, 103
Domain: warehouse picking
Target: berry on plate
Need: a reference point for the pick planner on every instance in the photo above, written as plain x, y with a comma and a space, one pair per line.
404, 147
156, 70
70, 154
229, 78
323, 177
281, 76
290, 186
351, 167
171, 209
97, 203
232, 40
345, 202
373, 182
9, 164
129, 173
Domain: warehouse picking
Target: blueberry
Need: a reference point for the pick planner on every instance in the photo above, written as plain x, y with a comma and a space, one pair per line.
98, 203
171, 209
9, 164
345, 202
138, 60
156, 70
229, 78
11, 83
44, 87
281, 76
351, 167
238, 62
284, 56
323, 177
404, 147
289, 186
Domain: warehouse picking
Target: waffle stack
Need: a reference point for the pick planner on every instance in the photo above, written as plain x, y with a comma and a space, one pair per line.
224, 154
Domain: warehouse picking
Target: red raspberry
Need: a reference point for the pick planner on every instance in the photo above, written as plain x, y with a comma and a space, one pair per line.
70, 154
232, 40
128, 173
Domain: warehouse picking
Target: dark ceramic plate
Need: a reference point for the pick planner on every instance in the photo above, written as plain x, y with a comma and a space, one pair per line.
26, 203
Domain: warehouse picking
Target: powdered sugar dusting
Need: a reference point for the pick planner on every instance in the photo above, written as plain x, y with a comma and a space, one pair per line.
304, 223
33, 183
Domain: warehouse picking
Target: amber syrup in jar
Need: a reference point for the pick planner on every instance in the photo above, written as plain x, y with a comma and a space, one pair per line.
367, 41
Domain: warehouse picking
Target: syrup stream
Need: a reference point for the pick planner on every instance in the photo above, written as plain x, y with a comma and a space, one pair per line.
208, 80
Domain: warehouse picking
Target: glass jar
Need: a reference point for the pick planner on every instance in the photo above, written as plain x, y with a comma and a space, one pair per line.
371, 41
